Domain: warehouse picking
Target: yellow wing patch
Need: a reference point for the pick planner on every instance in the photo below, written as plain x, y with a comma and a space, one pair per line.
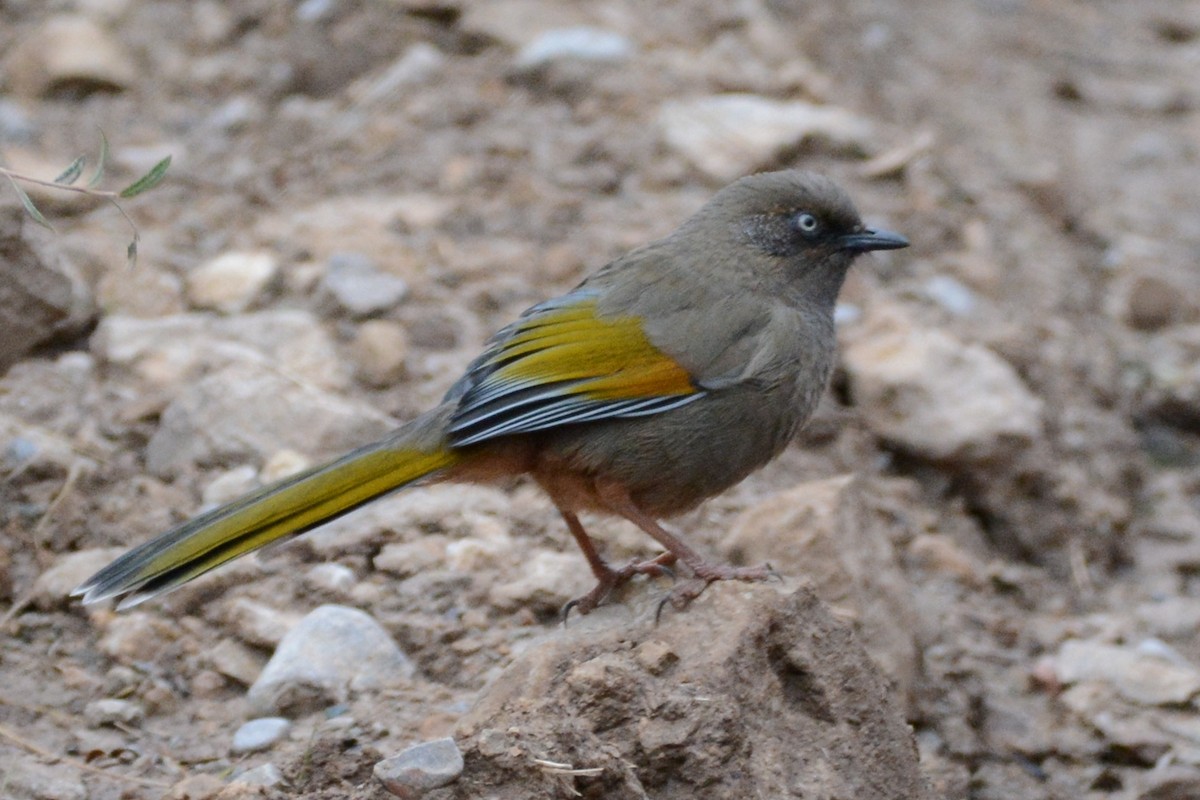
610, 358
562, 363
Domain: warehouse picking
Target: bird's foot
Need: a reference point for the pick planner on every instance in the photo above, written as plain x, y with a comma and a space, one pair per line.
609, 580
705, 574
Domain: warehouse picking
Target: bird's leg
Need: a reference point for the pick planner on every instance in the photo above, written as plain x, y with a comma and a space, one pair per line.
619, 502
607, 578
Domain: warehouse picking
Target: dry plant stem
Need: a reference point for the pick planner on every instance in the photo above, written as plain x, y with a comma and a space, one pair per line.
73, 473
104, 194
107, 194
42, 752
22, 603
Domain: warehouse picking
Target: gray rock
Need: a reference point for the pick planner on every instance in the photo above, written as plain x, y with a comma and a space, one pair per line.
196, 786
419, 63
380, 351
728, 135
547, 579
137, 636
235, 114
375, 223
171, 352
316, 10
1141, 676
257, 623
1171, 616
329, 654
951, 295
148, 292
259, 734
1168, 782
935, 395
332, 578
15, 123
267, 775
234, 660
764, 680
1171, 363
516, 23
68, 52
42, 295
29, 779
359, 288
53, 587
229, 486
835, 533
244, 413
418, 769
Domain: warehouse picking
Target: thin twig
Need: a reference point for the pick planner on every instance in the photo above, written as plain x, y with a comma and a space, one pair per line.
19, 605
1081, 576
38, 750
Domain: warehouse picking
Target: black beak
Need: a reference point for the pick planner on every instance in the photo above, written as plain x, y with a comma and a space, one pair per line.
866, 240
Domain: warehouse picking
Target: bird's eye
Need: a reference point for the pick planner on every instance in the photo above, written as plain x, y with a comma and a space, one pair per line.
807, 224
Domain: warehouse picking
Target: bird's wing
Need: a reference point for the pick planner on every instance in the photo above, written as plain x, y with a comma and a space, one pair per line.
565, 362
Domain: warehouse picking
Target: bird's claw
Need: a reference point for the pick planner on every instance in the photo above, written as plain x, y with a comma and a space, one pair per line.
705, 574
608, 582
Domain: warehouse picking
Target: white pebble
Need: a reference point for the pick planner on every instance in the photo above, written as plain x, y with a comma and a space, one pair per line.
259, 734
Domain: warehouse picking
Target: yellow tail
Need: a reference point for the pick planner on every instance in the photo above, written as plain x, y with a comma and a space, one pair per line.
289, 507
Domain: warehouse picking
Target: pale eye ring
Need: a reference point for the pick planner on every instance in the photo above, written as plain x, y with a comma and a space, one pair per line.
807, 223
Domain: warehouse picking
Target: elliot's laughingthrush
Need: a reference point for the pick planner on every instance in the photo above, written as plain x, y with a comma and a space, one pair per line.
663, 379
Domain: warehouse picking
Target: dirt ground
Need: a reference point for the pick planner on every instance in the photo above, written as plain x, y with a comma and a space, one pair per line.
998, 495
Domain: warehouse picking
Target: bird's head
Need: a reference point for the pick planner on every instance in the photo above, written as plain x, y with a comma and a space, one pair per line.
803, 222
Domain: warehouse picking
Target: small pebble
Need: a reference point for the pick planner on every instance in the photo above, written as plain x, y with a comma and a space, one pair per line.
582, 44
207, 683
259, 734
333, 578
53, 587
111, 711
846, 314
263, 775
231, 282
283, 463
728, 135
420, 62
332, 651
137, 637
229, 485
258, 624
655, 656
359, 287
951, 295
197, 786
380, 351
15, 123
235, 660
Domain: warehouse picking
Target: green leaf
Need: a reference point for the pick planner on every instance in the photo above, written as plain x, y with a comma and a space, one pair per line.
72, 173
29, 206
101, 163
149, 180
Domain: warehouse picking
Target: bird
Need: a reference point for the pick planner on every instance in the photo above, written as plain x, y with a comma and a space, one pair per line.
663, 379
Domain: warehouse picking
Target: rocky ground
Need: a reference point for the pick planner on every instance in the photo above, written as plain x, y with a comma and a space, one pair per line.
996, 503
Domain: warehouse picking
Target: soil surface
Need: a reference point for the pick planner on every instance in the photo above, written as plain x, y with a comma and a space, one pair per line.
996, 502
